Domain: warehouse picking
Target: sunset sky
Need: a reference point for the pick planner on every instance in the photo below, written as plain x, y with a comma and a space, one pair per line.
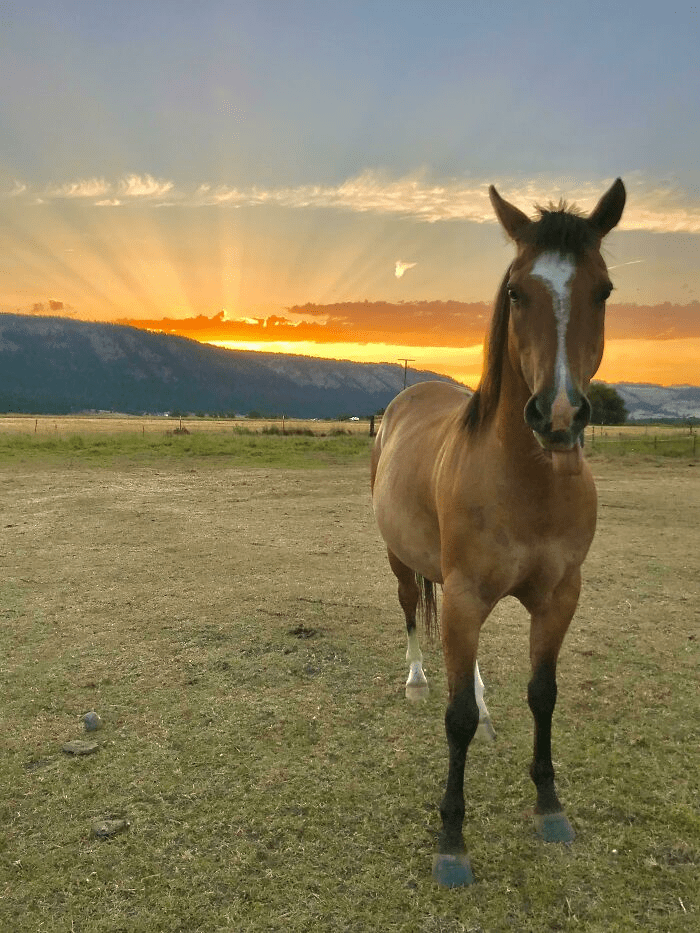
312, 176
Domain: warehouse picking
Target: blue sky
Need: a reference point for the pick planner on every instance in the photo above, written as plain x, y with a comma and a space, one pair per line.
181, 157
286, 93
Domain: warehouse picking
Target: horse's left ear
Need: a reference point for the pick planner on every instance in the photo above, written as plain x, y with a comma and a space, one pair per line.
511, 218
609, 209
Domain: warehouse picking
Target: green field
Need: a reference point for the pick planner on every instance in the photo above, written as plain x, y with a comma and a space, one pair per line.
108, 437
229, 612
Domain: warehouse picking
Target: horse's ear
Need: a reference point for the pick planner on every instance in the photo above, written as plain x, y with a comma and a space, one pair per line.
512, 220
609, 209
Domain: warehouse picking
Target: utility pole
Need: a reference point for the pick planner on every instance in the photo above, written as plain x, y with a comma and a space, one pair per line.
405, 368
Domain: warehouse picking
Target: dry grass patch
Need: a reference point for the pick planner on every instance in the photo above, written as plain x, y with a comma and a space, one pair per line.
237, 629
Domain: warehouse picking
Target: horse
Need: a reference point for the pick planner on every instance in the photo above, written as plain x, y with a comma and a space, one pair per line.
488, 494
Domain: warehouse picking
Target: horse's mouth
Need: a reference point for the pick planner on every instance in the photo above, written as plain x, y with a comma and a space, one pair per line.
557, 441
566, 455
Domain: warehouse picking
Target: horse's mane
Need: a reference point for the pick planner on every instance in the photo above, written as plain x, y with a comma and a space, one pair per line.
560, 228
485, 399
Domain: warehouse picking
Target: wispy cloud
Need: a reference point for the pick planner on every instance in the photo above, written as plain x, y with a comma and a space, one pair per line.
368, 192
144, 186
402, 267
87, 188
15, 191
652, 205
632, 262
107, 194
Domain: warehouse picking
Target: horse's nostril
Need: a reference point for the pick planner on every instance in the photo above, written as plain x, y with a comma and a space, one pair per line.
584, 413
534, 415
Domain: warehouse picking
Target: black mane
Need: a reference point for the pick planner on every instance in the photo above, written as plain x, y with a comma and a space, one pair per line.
561, 228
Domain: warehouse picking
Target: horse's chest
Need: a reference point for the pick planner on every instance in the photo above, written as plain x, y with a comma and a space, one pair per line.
503, 545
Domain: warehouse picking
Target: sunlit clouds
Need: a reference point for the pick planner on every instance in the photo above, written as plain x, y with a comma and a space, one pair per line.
88, 188
653, 205
101, 192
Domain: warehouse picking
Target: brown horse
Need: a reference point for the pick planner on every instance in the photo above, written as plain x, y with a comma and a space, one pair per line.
488, 493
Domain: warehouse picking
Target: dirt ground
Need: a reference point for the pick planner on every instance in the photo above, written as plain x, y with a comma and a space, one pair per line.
158, 595
100, 546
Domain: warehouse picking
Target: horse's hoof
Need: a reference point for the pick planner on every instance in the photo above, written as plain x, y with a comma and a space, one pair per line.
554, 827
452, 871
486, 730
416, 692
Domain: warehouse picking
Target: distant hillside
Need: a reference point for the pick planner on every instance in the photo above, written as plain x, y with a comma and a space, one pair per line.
654, 403
54, 365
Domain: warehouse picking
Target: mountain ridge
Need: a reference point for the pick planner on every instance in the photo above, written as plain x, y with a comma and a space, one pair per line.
58, 365
55, 365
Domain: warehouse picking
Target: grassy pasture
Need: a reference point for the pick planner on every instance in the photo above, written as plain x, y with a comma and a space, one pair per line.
109, 434
232, 618
110, 425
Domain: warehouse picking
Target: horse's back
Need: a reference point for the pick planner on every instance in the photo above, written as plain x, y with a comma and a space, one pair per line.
405, 463
423, 409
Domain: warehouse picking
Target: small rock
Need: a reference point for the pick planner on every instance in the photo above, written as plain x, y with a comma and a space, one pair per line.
80, 747
92, 721
103, 829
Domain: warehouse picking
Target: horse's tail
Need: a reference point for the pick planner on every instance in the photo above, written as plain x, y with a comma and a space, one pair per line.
427, 606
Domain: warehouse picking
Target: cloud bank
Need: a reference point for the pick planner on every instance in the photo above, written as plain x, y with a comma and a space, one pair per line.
652, 205
417, 323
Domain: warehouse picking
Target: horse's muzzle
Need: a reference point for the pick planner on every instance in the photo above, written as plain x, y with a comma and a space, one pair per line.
556, 430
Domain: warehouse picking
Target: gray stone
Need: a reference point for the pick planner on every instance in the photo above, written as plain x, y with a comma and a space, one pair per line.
92, 721
80, 747
103, 829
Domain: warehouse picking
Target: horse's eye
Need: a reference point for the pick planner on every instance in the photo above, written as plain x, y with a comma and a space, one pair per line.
512, 294
605, 293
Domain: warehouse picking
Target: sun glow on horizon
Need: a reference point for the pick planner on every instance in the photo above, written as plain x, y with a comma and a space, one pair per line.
662, 362
460, 363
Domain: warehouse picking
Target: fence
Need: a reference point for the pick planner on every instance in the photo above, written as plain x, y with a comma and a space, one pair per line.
669, 442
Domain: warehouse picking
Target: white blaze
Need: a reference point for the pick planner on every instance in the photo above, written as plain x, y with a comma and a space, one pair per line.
556, 272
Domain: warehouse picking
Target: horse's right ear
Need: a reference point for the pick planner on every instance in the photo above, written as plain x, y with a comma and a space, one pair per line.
511, 218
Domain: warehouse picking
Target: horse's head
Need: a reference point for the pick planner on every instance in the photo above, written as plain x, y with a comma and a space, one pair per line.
557, 288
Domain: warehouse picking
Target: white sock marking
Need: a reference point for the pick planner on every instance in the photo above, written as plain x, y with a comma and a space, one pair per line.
414, 656
485, 726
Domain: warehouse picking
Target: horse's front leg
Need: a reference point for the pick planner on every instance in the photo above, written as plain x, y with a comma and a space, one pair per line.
550, 622
462, 618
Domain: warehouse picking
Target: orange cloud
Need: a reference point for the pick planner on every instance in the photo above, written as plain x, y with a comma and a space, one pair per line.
657, 343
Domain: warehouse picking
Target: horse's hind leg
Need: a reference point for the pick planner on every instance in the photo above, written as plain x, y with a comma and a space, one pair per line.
416, 684
548, 628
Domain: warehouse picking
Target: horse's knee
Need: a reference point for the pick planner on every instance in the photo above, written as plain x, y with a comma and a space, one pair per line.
462, 718
542, 692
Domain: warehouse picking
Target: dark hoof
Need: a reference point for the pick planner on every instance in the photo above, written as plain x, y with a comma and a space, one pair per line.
554, 827
452, 871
